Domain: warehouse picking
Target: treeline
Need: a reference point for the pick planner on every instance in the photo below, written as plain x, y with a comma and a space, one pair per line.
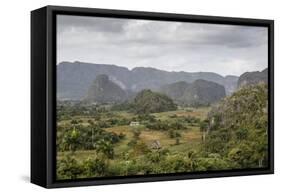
159, 161
67, 110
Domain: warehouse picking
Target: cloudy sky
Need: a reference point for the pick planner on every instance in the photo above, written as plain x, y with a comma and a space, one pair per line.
170, 46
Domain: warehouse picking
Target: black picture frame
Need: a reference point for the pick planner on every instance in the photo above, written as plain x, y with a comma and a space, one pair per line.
43, 94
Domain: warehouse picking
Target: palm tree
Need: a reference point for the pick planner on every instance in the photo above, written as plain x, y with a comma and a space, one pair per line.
71, 139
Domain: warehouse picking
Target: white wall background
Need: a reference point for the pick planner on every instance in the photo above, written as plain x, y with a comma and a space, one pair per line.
15, 94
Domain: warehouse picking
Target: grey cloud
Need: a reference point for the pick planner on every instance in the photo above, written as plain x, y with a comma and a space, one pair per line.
100, 24
172, 46
237, 36
200, 34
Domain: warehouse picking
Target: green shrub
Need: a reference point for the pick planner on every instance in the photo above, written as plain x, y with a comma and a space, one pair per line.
95, 167
69, 168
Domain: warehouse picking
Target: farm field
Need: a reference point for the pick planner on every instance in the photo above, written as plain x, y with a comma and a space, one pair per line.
187, 137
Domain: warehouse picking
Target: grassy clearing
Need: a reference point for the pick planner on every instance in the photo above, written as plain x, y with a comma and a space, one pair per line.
80, 155
200, 113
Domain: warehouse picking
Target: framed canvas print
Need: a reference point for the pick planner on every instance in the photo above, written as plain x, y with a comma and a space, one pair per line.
126, 96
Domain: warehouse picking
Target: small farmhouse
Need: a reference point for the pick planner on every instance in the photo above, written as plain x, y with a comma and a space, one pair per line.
134, 123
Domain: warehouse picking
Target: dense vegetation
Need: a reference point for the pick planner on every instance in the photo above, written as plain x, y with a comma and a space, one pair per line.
152, 135
238, 127
150, 102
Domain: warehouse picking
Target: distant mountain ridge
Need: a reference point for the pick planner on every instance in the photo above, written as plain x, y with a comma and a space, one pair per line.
252, 78
74, 79
102, 90
199, 92
175, 90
